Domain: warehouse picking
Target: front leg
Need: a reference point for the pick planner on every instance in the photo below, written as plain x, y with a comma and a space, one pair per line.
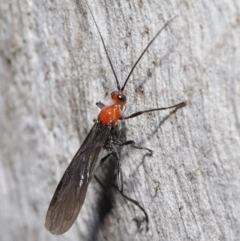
100, 104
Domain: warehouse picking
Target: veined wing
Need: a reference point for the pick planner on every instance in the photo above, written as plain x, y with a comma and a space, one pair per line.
71, 190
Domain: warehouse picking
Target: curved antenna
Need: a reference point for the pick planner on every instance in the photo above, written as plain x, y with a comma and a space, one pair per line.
164, 26
105, 49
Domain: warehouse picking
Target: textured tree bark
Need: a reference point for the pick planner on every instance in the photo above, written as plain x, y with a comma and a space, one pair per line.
53, 69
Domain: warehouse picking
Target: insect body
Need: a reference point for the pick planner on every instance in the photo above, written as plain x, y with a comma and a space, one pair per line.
71, 190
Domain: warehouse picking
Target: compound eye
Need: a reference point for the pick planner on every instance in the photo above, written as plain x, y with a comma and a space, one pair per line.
122, 98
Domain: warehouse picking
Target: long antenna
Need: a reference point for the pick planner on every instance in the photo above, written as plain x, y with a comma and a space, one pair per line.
109, 60
164, 26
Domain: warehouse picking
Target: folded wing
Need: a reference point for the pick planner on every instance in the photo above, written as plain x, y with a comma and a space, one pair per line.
71, 190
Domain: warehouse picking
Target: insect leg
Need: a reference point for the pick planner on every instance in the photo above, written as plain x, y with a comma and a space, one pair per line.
120, 179
100, 104
97, 179
137, 204
156, 109
120, 189
119, 173
132, 144
104, 188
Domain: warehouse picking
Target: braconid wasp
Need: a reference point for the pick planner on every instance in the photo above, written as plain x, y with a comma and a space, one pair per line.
71, 190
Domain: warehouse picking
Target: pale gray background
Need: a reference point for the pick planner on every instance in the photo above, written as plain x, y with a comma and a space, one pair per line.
53, 69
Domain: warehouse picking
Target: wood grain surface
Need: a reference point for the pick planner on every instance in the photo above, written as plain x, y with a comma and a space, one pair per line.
53, 70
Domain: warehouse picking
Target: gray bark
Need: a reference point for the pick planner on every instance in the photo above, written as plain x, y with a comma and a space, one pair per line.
53, 70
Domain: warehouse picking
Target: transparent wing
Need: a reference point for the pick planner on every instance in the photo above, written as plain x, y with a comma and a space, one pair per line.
71, 190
